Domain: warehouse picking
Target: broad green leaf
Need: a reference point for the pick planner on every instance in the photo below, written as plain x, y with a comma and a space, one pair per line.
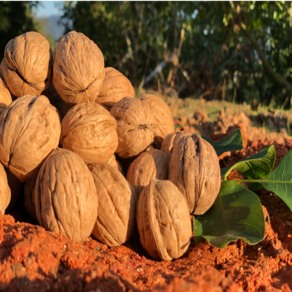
231, 143
256, 166
279, 181
176, 126
236, 214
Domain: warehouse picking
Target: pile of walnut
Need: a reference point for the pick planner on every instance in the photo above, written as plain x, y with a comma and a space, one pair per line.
95, 159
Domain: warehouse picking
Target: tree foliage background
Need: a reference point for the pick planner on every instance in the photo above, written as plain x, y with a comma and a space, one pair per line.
237, 51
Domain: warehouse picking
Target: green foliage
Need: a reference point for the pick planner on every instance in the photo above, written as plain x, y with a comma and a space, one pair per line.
236, 214
256, 166
231, 143
15, 18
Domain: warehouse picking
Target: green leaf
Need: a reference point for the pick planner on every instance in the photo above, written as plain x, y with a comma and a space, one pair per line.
231, 143
279, 181
256, 166
236, 214
176, 126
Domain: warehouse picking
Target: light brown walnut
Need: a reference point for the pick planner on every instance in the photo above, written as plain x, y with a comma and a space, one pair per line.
152, 164
90, 131
30, 130
27, 64
163, 220
141, 124
78, 69
116, 164
65, 196
194, 168
115, 87
116, 218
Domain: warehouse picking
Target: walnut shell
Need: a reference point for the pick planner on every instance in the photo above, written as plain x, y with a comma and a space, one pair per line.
27, 64
30, 130
90, 131
78, 69
5, 193
5, 96
116, 219
65, 196
152, 164
162, 117
139, 124
163, 220
116, 164
194, 168
115, 87
29, 196
170, 140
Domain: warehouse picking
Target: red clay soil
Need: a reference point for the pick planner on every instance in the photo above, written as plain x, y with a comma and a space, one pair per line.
32, 259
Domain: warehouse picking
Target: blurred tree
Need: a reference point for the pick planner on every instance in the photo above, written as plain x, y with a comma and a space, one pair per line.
15, 19
237, 51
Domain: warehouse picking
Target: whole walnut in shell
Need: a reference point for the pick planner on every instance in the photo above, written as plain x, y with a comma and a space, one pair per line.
5, 96
30, 130
115, 87
29, 196
162, 117
90, 131
65, 196
170, 140
78, 69
140, 124
163, 220
152, 164
27, 64
5, 193
194, 168
116, 218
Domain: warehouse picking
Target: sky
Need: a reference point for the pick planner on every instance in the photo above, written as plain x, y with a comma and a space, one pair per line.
48, 8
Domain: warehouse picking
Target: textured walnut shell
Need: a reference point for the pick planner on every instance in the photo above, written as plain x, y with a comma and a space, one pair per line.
78, 69
90, 131
5, 96
162, 117
29, 130
194, 168
116, 219
115, 87
52, 94
5, 193
163, 220
27, 64
29, 196
152, 164
65, 196
170, 140
140, 124
116, 164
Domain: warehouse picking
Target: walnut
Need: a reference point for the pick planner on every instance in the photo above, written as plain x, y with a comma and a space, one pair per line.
115, 87
116, 219
78, 69
163, 220
30, 130
90, 131
170, 140
65, 196
150, 164
27, 64
194, 168
5, 193
5, 96
140, 124
29, 196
